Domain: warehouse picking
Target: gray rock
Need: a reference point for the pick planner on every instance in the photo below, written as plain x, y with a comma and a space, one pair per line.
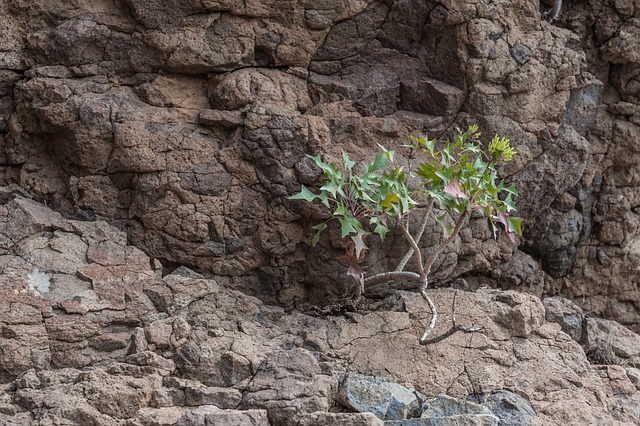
455, 420
583, 107
429, 96
387, 400
222, 118
447, 411
554, 239
166, 416
342, 419
225, 398
566, 313
445, 406
373, 91
621, 341
510, 408
521, 53
634, 376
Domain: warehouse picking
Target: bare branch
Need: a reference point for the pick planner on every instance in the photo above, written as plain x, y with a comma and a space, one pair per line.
418, 236
392, 276
434, 316
424, 340
414, 247
444, 243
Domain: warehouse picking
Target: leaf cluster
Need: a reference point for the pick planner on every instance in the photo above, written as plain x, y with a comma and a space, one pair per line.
361, 201
457, 175
460, 177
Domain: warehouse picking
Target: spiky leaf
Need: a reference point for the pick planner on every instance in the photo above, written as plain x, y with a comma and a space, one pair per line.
304, 194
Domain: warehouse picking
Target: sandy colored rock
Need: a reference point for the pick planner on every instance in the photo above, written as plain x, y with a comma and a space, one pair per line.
187, 125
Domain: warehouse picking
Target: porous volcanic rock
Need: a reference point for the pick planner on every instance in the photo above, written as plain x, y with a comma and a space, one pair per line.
93, 334
187, 123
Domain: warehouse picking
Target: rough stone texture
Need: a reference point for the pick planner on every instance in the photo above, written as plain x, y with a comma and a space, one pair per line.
388, 401
510, 408
183, 349
187, 123
623, 343
566, 313
346, 419
445, 410
287, 383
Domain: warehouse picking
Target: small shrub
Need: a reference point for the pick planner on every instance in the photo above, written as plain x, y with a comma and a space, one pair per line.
457, 175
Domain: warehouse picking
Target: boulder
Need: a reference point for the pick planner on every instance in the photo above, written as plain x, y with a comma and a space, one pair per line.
388, 401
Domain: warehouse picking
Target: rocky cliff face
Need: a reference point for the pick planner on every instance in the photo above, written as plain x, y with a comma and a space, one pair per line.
187, 123
92, 334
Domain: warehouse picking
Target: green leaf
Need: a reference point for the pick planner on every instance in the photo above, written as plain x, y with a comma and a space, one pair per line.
380, 162
428, 172
508, 201
346, 227
390, 154
511, 189
389, 201
304, 194
316, 237
324, 198
348, 164
329, 169
333, 187
448, 230
340, 210
427, 144
447, 156
446, 175
515, 224
381, 230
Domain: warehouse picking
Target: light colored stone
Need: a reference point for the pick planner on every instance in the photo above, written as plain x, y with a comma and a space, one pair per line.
388, 401
623, 342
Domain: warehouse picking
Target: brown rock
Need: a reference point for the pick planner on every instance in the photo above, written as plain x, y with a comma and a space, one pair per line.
346, 419
287, 383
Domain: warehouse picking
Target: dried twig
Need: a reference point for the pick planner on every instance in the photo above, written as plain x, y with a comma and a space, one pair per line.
424, 340
418, 236
444, 243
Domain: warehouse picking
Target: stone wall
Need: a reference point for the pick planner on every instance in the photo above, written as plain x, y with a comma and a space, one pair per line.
91, 333
186, 123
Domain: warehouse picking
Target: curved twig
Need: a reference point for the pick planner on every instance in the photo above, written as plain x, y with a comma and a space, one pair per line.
413, 246
392, 276
444, 243
423, 226
424, 340
434, 316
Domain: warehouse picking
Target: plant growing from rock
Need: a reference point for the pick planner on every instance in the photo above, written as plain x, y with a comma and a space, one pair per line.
457, 176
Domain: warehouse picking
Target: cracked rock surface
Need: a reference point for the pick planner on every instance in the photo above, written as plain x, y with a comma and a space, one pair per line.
187, 123
92, 334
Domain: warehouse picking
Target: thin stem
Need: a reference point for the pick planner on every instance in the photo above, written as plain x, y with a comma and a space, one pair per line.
424, 340
444, 243
414, 246
434, 316
417, 238
392, 276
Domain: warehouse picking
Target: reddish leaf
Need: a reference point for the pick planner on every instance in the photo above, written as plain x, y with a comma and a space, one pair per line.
454, 189
503, 219
355, 270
